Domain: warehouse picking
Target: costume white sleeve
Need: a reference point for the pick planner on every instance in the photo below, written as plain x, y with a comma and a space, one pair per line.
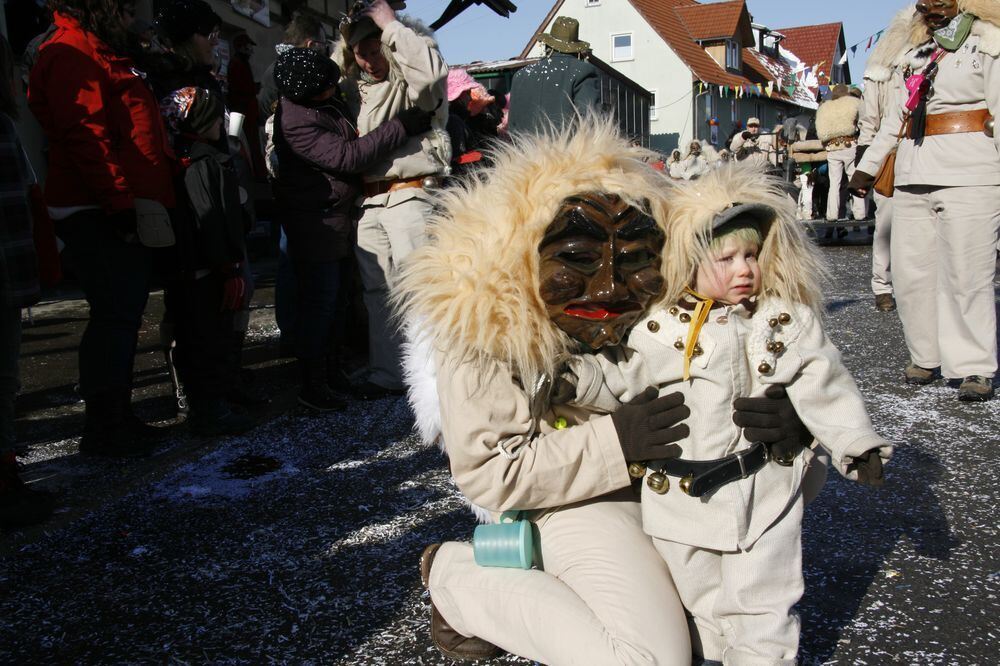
737, 142
991, 79
828, 401
420, 61
609, 378
870, 112
888, 133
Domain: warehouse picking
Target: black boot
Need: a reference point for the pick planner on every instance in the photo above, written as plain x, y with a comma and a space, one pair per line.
142, 430
215, 418
110, 429
20, 506
315, 394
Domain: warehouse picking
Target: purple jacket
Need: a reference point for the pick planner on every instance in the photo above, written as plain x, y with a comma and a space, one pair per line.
320, 162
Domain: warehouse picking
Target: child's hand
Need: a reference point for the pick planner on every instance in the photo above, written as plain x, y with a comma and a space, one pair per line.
772, 419
869, 468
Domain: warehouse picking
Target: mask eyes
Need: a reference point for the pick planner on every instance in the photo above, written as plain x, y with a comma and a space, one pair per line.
585, 261
635, 259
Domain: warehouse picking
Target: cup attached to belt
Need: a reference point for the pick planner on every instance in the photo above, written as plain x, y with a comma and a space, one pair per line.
698, 477
958, 122
378, 187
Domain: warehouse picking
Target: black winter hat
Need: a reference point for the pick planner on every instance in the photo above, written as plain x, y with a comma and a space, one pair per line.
191, 110
179, 20
302, 73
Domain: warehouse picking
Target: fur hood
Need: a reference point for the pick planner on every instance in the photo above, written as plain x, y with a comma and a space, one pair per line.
474, 289
790, 265
344, 56
837, 117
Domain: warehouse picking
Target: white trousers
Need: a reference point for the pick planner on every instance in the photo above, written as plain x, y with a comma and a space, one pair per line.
944, 263
881, 264
386, 235
805, 198
841, 163
604, 597
741, 602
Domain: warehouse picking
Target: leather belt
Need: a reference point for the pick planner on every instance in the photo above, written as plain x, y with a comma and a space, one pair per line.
844, 141
957, 122
702, 476
375, 188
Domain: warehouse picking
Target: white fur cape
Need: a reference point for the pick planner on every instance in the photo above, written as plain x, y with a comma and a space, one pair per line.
837, 117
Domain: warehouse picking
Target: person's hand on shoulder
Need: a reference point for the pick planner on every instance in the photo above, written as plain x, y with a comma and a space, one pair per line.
415, 120
381, 13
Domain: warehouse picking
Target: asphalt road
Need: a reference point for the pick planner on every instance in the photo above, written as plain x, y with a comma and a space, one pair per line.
298, 543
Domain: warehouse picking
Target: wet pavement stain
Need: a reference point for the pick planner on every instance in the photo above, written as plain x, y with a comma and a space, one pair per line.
250, 466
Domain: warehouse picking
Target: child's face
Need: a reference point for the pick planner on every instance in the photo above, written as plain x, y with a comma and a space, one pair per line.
730, 273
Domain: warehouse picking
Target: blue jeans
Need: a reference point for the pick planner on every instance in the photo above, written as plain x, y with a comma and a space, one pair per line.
284, 290
315, 325
10, 347
115, 279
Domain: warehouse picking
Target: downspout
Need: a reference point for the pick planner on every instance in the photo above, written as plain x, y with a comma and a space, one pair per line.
694, 110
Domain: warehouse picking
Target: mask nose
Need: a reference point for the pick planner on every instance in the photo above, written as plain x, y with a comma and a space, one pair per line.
607, 286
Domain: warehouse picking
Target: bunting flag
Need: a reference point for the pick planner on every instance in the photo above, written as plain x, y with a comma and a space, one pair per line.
790, 90
701, 87
869, 42
770, 88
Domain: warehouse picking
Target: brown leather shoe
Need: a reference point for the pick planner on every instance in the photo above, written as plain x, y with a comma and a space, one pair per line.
885, 302
918, 376
451, 643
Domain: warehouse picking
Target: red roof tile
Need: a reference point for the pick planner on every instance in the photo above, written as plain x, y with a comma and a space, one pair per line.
814, 45
722, 20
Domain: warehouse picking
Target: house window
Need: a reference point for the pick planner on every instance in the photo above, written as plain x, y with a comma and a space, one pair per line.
652, 105
733, 55
593, 3
710, 106
621, 47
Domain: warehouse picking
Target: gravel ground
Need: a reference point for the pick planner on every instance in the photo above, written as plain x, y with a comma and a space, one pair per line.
298, 542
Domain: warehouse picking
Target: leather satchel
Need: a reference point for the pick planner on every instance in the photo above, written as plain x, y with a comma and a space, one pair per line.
885, 179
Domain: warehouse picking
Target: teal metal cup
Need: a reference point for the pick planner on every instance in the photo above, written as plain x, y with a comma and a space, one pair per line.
504, 544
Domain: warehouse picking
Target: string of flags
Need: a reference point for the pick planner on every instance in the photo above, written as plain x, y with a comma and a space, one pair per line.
869, 42
798, 78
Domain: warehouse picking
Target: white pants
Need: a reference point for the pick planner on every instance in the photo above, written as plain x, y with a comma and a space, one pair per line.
943, 264
841, 162
386, 235
604, 597
805, 197
741, 602
881, 272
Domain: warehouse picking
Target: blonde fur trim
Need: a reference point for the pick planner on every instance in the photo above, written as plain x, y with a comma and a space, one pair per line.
475, 286
837, 117
791, 268
985, 10
904, 32
989, 37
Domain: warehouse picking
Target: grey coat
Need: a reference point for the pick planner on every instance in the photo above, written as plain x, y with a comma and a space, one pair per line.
553, 89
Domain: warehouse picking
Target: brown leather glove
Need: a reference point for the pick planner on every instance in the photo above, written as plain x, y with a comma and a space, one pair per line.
859, 153
860, 181
647, 426
772, 419
869, 468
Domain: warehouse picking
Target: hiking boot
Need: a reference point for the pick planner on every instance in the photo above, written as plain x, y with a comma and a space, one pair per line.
217, 419
20, 506
885, 302
976, 388
315, 394
109, 430
451, 643
917, 376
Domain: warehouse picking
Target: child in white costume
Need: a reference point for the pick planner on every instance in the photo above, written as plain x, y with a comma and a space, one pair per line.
727, 517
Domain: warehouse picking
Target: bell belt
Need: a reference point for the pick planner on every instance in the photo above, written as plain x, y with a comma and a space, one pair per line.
699, 477
377, 187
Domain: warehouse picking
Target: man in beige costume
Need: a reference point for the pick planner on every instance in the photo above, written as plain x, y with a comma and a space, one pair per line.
882, 65
750, 145
837, 128
394, 66
555, 251
947, 197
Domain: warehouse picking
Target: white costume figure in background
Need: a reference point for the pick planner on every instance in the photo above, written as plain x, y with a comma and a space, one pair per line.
837, 128
947, 196
674, 165
882, 65
482, 345
751, 320
695, 163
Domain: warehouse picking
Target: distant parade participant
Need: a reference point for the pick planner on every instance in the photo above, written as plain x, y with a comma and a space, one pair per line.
557, 87
837, 128
751, 145
882, 65
947, 196
695, 164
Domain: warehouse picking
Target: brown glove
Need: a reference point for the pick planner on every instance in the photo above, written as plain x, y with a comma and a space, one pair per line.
860, 181
772, 419
869, 468
647, 426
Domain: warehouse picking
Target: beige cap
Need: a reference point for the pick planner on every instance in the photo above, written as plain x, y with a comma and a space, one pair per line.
753, 121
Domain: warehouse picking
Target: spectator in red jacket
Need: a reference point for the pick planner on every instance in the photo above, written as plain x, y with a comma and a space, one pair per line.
108, 152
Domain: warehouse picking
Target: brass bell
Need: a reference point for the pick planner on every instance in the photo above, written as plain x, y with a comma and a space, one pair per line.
764, 368
786, 459
779, 347
685, 484
679, 344
784, 319
772, 322
770, 346
673, 311
685, 317
988, 127
658, 483
697, 350
652, 326
636, 470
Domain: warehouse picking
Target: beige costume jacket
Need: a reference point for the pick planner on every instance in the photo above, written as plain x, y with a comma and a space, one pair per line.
734, 346
418, 76
967, 80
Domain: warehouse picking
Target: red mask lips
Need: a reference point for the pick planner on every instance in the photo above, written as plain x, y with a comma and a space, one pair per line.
600, 311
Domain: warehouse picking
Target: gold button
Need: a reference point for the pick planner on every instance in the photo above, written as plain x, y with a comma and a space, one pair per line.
652, 326
658, 483
772, 322
697, 350
685, 317
673, 311
764, 368
636, 470
685, 484
679, 344
784, 319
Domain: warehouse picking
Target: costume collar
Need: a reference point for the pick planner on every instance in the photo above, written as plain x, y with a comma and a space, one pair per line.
952, 36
